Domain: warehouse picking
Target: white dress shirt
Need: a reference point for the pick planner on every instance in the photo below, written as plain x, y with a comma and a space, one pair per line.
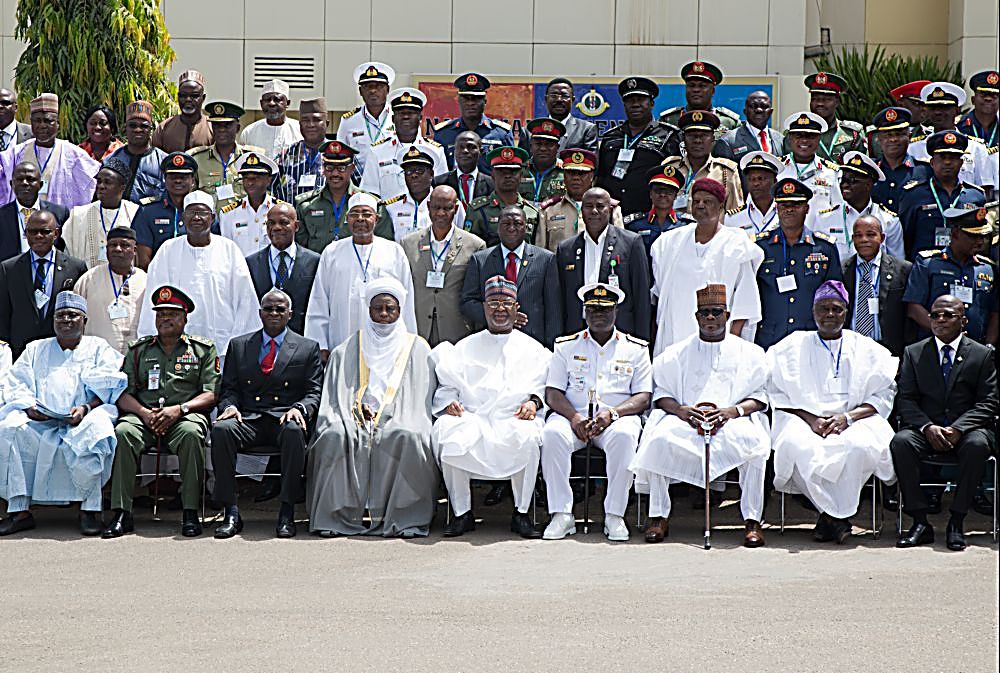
592, 252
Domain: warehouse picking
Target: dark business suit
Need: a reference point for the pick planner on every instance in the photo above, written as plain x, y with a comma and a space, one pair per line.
20, 321
298, 287
967, 402
483, 187
10, 225
626, 249
262, 399
580, 134
892, 274
741, 142
537, 290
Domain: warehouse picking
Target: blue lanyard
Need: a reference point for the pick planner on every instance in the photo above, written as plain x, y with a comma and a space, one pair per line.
274, 267
364, 267
836, 371
368, 126
875, 275
311, 157
784, 252
41, 170
100, 209
338, 209
436, 259
764, 223
540, 180
938, 200
48, 271
176, 216
225, 168
628, 145
977, 128
118, 291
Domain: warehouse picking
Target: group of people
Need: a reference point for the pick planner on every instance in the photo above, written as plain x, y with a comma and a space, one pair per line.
400, 303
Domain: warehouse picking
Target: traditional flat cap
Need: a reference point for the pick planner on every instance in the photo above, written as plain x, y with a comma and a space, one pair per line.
140, 109
805, 122
309, 105
600, 294
758, 160
578, 159
373, 71
698, 120
668, 176
825, 82
67, 299
713, 294
168, 296
701, 70
971, 220
498, 286
892, 118
942, 93
416, 157
121, 232
987, 81
178, 162
790, 189
407, 97
632, 86
199, 197
713, 187
909, 90
191, 76
118, 166
278, 86
472, 84
546, 128
859, 162
45, 102
336, 152
362, 199
255, 162
507, 157
831, 289
954, 142
221, 111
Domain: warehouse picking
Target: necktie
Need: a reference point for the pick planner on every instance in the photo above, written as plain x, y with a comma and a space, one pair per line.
281, 275
26, 212
946, 362
4, 141
466, 193
40, 274
267, 364
511, 271
763, 140
865, 323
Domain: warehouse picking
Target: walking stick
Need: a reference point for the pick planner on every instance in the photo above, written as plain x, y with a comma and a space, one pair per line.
706, 431
591, 394
156, 479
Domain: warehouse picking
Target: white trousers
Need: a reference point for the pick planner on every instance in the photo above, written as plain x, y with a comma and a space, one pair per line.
751, 492
460, 495
619, 442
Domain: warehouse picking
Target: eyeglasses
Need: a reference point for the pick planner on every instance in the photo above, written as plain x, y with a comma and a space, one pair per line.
559, 96
498, 303
277, 310
338, 168
414, 172
943, 315
715, 312
39, 232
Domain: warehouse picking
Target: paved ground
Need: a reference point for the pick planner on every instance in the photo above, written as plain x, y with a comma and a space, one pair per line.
157, 602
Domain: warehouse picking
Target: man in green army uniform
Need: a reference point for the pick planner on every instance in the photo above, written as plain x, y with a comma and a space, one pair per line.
322, 213
700, 79
173, 383
483, 214
217, 173
841, 136
542, 178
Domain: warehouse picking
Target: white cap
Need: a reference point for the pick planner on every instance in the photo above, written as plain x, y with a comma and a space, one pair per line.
949, 88
385, 285
362, 199
812, 116
764, 158
276, 86
414, 93
617, 292
855, 159
382, 68
253, 162
201, 197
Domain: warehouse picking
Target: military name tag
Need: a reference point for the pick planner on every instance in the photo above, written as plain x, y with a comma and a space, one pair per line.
625, 155
225, 192
786, 283
435, 279
117, 311
153, 378
308, 180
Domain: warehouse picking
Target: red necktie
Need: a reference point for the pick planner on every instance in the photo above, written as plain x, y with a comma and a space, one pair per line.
763, 140
466, 196
511, 271
267, 364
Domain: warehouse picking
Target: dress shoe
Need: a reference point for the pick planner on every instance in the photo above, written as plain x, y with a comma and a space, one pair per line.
497, 493
120, 524
933, 501
461, 524
919, 533
657, 529
842, 529
230, 526
823, 532
955, 536
890, 498
561, 525
615, 528
190, 525
12, 524
521, 524
270, 489
753, 536
285, 527
91, 524
982, 505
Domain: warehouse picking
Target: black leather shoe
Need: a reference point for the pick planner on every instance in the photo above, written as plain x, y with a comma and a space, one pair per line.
521, 524
841, 529
919, 533
230, 526
285, 527
12, 524
823, 532
91, 524
120, 524
190, 526
933, 501
982, 505
497, 493
890, 499
955, 537
461, 525
270, 489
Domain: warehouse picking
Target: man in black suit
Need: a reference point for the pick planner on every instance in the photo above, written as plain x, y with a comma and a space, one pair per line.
559, 101
604, 254
271, 386
26, 182
30, 282
947, 405
465, 178
12, 132
530, 267
754, 134
875, 282
285, 265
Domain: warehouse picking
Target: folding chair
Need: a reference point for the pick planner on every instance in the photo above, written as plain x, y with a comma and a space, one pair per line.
639, 517
157, 474
947, 460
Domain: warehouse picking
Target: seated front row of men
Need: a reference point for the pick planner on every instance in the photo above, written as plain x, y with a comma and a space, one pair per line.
390, 417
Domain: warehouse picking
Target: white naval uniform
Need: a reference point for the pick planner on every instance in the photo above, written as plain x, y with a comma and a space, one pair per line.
821, 176
384, 176
616, 371
359, 130
750, 219
979, 167
838, 222
246, 227
408, 218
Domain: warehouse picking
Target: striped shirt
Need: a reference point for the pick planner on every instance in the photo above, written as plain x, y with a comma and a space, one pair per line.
294, 166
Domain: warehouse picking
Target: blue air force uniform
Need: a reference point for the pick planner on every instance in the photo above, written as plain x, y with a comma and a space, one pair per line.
494, 133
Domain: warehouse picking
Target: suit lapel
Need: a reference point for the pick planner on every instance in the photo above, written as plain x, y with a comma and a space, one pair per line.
529, 253
495, 260
457, 241
961, 356
58, 278
609, 246
886, 270
931, 363
578, 260
284, 356
850, 282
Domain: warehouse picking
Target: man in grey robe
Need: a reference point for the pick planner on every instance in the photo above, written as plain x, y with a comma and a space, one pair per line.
371, 450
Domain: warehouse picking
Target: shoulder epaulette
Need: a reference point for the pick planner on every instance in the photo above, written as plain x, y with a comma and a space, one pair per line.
728, 163
229, 207
912, 183
200, 340
441, 125
398, 197
432, 143
252, 148
141, 340
636, 340
825, 237
568, 337
976, 139
146, 200
832, 165
667, 113
972, 186
351, 113
551, 201
733, 211
3, 343
502, 124
983, 259
632, 217
726, 112
306, 196
993, 150
888, 212
835, 207
916, 139
853, 125
761, 236
479, 201
382, 141
930, 253
198, 150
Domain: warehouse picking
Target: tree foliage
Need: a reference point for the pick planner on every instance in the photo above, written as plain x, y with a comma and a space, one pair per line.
94, 51
871, 74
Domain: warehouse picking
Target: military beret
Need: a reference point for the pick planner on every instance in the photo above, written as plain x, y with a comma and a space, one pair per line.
909, 90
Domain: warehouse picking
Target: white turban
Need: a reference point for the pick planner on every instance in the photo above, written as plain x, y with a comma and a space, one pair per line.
385, 285
198, 196
381, 343
362, 199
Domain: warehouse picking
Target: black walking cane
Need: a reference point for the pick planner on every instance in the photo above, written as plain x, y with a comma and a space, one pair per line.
156, 479
591, 394
706, 431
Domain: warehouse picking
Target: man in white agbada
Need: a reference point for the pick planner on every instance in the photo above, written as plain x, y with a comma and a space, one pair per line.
209, 269
831, 392
692, 256
276, 132
337, 306
490, 387
57, 435
714, 376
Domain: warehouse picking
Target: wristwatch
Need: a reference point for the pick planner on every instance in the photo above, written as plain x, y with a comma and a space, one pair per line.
185, 409
614, 414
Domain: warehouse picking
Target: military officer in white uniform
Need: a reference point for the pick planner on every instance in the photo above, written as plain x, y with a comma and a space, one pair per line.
614, 371
760, 171
408, 212
244, 222
370, 122
802, 163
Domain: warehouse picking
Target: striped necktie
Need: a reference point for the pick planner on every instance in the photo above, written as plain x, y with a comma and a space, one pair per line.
865, 323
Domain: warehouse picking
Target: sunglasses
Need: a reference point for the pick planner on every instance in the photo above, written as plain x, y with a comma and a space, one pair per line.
713, 312
943, 315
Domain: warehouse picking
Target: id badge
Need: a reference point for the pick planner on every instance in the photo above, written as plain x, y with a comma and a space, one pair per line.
41, 299
962, 292
308, 180
625, 155
873, 305
786, 283
225, 191
681, 201
117, 311
45, 188
619, 171
102, 253
153, 382
613, 280
942, 236
435, 279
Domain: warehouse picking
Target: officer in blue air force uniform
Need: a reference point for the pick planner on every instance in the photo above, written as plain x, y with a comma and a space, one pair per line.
472, 106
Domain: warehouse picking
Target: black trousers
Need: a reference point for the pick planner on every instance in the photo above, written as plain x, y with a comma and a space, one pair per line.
231, 436
910, 446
